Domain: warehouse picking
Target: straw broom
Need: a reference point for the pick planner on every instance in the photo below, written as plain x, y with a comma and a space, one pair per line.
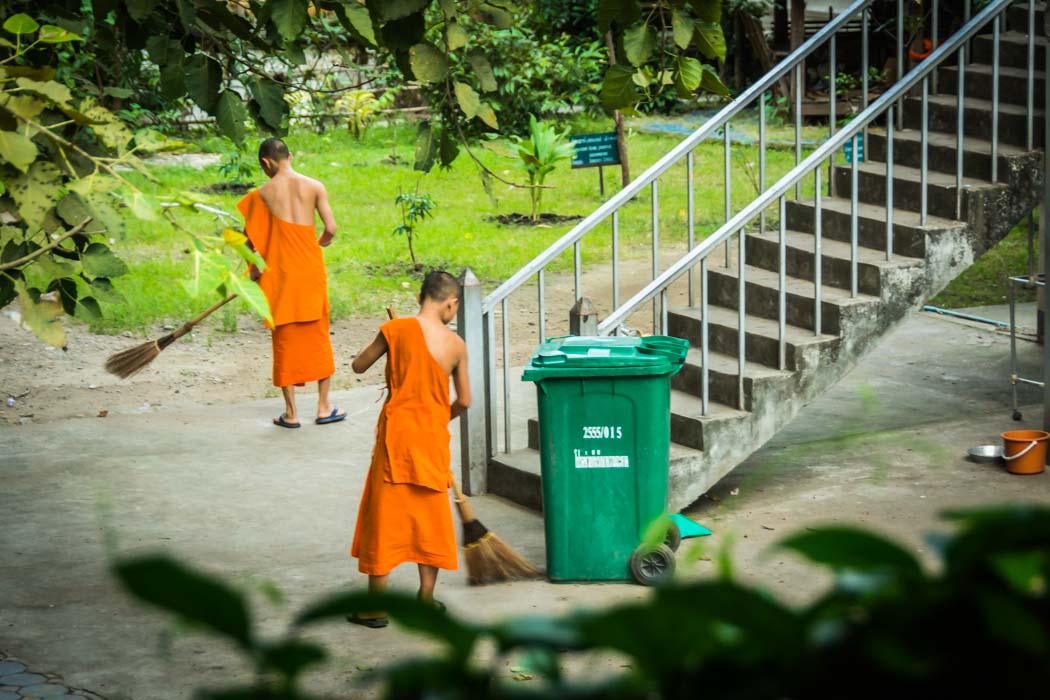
127, 362
488, 558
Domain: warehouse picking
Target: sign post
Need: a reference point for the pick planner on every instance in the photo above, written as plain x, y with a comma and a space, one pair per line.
594, 151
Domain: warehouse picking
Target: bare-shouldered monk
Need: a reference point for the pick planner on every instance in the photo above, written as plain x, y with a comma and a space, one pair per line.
279, 222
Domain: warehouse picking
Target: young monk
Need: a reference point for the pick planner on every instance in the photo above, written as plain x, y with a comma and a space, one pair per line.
405, 515
279, 222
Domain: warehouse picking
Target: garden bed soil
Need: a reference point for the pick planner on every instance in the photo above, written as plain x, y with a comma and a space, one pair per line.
526, 220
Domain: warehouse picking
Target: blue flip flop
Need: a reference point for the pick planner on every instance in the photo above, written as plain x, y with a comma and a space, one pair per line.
333, 417
284, 423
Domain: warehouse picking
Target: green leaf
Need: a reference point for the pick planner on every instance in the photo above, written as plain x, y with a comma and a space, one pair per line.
712, 83
404, 33
161, 581
56, 92
42, 315
270, 98
456, 36
104, 290
203, 78
688, 76
682, 27
249, 291
142, 206
107, 126
290, 657
231, 114
72, 209
21, 24
428, 63
17, 150
397, 9
1012, 623
50, 34
290, 17
359, 19
852, 548
35, 192
22, 106
623, 12
105, 215
99, 261
119, 93
618, 88
488, 115
448, 150
140, 9
483, 70
48, 268
210, 269
709, 39
426, 147
496, 16
467, 98
707, 10
88, 309
639, 42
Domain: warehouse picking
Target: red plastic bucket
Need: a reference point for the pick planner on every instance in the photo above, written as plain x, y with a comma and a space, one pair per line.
1025, 451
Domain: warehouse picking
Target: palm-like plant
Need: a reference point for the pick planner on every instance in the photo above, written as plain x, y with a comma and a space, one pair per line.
539, 153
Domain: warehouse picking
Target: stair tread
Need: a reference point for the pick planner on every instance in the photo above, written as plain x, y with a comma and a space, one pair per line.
986, 69
727, 364
797, 286
948, 140
756, 325
840, 249
977, 103
904, 217
906, 172
1013, 37
690, 406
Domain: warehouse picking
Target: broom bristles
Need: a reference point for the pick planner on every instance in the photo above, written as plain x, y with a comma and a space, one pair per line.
491, 560
127, 362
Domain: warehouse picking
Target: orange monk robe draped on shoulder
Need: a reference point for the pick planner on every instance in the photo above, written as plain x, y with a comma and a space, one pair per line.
405, 515
296, 286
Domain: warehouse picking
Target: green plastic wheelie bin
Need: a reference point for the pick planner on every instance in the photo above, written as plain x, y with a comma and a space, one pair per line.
604, 419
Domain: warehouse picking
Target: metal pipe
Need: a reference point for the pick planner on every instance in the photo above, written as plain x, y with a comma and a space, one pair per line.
934, 35
1013, 347
833, 113
818, 270
1031, 245
762, 155
923, 153
506, 377
616, 258
727, 182
968, 317
655, 199
960, 137
864, 67
798, 126
1030, 102
900, 60
704, 372
995, 99
782, 288
541, 320
577, 265
690, 214
889, 183
853, 212
490, 383
663, 312
741, 334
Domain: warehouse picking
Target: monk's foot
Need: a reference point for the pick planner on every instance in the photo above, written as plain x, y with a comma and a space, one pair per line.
433, 602
332, 416
372, 620
284, 422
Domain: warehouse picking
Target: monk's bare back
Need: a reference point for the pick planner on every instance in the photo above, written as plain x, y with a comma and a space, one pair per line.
294, 198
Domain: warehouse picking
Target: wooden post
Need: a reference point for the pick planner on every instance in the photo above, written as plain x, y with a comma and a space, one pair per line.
583, 318
798, 36
621, 140
473, 440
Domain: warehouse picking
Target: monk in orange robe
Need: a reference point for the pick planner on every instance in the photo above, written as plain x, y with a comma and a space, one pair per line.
405, 515
279, 222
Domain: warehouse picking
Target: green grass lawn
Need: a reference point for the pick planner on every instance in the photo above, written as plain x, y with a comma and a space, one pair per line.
368, 264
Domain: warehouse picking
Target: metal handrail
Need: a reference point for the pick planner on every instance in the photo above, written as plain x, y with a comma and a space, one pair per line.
633, 189
820, 154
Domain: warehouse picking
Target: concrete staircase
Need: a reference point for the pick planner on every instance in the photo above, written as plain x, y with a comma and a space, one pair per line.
926, 257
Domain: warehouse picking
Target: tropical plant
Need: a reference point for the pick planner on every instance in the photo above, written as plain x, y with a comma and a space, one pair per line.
360, 107
539, 153
415, 207
236, 166
980, 620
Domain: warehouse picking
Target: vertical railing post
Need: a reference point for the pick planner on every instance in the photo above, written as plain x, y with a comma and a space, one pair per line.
995, 98
833, 113
761, 156
656, 245
889, 183
691, 219
799, 89
960, 146
1030, 101
864, 69
924, 153
901, 68
473, 438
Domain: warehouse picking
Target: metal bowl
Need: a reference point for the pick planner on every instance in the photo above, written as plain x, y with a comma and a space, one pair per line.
986, 453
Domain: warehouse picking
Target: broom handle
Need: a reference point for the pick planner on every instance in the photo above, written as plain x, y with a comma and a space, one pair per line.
186, 327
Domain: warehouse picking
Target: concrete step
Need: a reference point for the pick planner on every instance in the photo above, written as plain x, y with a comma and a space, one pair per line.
762, 297
909, 237
977, 118
761, 335
940, 188
941, 152
1017, 18
1013, 83
763, 250
723, 383
691, 429
1013, 49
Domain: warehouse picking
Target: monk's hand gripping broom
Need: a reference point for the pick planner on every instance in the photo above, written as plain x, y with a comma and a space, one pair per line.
127, 362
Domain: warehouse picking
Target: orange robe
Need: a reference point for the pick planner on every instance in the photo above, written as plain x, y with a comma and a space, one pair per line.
405, 515
296, 286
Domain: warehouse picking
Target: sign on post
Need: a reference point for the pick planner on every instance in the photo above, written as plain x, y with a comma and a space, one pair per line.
594, 151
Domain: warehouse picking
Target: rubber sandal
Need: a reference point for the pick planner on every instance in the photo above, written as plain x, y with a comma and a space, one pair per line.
333, 417
370, 622
285, 424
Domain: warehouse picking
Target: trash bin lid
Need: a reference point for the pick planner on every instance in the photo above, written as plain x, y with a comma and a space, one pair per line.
606, 356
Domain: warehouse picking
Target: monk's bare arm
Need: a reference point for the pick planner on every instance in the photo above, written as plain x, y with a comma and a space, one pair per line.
461, 382
372, 352
327, 217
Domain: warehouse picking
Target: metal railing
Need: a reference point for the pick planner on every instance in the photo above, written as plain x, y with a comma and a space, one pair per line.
890, 104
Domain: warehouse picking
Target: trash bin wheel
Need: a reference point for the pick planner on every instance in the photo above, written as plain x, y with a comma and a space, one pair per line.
674, 536
653, 566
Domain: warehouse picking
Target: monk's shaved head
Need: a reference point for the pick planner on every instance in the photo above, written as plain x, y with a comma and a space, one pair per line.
439, 286
274, 149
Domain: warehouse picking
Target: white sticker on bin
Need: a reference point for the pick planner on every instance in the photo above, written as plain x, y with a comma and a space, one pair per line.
602, 461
